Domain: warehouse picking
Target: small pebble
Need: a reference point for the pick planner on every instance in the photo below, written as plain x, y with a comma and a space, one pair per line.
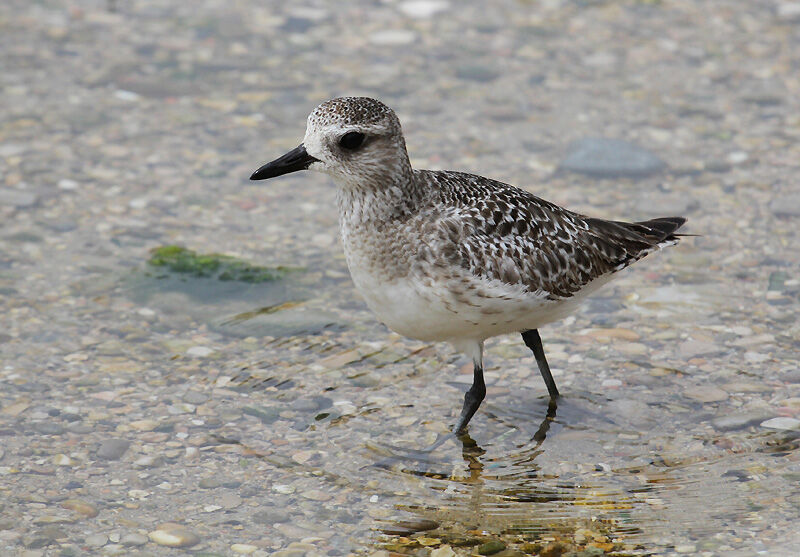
199, 351
113, 449
80, 506
96, 540
173, 535
782, 423
133, 539
243, 548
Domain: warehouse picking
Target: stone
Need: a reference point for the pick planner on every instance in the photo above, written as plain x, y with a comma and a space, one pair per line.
423, 9
96, 540
697, 348
475, 72
706, 393
786, 205
243, 548
392, 37
491, 547
113, 449
270, 516
443, 551
792, 424
789, 11
602, 157
17, 198
133, 539
739, 420
199, 351
81, 507
173, 535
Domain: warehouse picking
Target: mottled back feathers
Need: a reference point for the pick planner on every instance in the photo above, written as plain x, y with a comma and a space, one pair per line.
500, 232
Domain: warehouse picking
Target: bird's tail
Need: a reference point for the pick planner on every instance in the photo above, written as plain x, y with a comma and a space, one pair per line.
660, 231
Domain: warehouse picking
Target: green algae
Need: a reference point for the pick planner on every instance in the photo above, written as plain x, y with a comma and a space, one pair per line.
181, 260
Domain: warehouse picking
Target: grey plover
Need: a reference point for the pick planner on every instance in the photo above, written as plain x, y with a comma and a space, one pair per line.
449, 256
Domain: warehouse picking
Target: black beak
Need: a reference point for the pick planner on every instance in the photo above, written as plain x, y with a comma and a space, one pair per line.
296, 159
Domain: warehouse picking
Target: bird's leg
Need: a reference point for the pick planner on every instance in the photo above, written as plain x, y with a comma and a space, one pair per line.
534, 342
474, 396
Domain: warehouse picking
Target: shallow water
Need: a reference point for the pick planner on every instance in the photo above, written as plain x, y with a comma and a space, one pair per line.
281, 416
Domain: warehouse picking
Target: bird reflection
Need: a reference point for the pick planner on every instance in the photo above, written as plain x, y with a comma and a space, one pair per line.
428, 462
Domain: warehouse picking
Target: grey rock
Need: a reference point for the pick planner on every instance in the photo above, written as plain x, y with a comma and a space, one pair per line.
195, 397
17, 198
782, 422
209, 483
270, 516
602, 157
113, 449
36, 541
789, 11
96, 540
787, 205
133, 539
266, 414
475, 72
48, 428
739, 420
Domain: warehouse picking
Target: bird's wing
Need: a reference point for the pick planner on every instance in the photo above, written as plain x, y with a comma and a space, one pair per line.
501, 233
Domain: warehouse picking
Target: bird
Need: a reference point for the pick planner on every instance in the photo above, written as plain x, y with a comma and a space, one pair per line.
450, 256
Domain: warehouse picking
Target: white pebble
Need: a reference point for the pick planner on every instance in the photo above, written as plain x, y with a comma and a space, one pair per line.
67, 185
737, 157
393, 37
127, 96
782, 423
423, 8
200, 351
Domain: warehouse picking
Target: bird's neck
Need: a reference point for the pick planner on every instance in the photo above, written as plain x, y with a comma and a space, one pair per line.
381, 199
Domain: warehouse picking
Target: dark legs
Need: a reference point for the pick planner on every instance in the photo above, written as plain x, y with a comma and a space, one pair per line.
534, 342
475, 394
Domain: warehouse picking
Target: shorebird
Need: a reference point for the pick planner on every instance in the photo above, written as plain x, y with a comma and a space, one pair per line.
450, 256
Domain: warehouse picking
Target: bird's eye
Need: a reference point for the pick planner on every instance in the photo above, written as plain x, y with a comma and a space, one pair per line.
351, 140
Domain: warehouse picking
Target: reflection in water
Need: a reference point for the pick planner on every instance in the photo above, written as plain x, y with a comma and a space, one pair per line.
499, 487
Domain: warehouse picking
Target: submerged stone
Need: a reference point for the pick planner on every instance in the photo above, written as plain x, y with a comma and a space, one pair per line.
602, 157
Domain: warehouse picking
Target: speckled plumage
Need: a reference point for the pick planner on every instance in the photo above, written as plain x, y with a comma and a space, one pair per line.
449, 256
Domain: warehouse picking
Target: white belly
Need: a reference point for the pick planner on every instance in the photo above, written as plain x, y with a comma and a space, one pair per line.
430, 312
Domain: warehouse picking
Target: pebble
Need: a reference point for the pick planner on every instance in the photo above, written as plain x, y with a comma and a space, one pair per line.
696, 348
199, 351
476, 72
17, 198
113, 449
173, 535
491, 547
443, 551
243, 548
209, 483
423, 9
80, 506
789, 11
782, 423
786, 205
270, 516
602, 157
739, 420
133, 539
96, 540
392, 37
67, 184
706, 393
